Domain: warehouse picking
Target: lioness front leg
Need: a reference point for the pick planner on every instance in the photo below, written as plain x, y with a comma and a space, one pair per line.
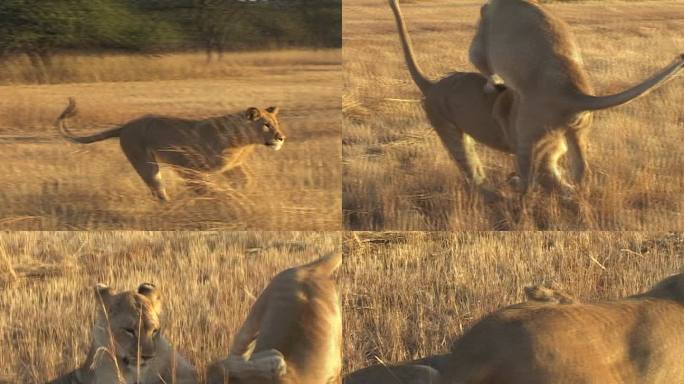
240, 176
461, 148
146, 165
196, 181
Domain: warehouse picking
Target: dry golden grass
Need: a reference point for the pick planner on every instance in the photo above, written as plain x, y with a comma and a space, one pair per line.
208, 282
397, 175
409, 295
49, 183
69, 68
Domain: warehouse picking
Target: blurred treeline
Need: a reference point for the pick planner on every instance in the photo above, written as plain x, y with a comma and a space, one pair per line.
41, 28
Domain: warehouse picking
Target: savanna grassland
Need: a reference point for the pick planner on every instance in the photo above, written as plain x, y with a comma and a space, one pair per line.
49, 183
409, 295
208, 282
398, 176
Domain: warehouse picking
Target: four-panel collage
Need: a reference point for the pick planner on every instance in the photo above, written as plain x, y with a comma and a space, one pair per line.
341, 191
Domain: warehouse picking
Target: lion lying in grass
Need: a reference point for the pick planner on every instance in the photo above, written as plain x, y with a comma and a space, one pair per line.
193, 147
293, 333
639, 339
429, 370
127, 345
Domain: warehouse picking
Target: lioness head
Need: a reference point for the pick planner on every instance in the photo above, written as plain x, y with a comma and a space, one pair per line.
266, 122
132, 320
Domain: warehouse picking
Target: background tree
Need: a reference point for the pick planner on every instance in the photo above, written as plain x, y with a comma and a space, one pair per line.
40, 28
213, 19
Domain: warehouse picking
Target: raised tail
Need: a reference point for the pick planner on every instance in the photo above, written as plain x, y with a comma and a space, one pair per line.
416, 73
326, 265
71, 111
593, 103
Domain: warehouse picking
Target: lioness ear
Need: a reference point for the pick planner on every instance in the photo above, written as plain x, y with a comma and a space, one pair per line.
152, 293
273, 110
253, 113
103, 294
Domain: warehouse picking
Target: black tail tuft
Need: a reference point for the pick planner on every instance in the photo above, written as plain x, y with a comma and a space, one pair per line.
70, 110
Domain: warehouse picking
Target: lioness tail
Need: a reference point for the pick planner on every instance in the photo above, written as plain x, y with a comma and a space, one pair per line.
416, 73
593, 103
71, 111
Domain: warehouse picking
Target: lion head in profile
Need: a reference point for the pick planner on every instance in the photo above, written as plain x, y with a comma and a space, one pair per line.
266, 122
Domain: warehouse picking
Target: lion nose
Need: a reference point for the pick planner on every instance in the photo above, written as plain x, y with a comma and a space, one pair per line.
279, 137
145, 358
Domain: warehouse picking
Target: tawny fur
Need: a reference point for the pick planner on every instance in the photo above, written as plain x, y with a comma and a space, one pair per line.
192, 147
127, 347
536, 55
297, 318
638, 339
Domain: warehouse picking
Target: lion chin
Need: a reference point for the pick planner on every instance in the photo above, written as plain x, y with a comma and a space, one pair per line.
275, 145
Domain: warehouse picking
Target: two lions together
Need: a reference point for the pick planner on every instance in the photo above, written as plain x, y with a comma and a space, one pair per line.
293, 334
541, 111
552, 338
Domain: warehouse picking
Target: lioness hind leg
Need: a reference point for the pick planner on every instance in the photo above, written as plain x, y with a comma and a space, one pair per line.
577, 147
195, 180
550, 175
146, 165
532, 145
461, 148
264, 366
477, 54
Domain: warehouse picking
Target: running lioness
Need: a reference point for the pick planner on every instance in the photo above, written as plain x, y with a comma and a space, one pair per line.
193, 147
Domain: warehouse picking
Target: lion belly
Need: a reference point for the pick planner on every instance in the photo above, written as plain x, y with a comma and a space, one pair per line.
202, 158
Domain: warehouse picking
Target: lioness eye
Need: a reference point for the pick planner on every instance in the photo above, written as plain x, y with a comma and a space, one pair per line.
267, 127
130, 331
